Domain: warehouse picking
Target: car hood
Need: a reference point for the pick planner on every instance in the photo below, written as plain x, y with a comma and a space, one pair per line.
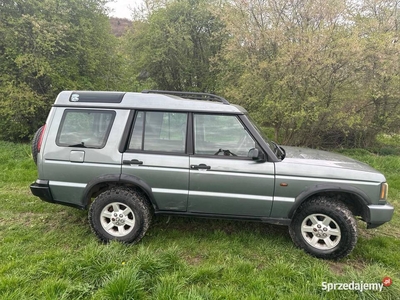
324, 158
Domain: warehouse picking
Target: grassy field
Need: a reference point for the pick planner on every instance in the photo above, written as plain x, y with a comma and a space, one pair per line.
48, 252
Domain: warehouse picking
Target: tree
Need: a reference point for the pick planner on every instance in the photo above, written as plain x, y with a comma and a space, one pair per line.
173, 48
46, 47
297, 66
378, 26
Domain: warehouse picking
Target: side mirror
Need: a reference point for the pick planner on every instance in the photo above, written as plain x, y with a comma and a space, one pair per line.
255, 154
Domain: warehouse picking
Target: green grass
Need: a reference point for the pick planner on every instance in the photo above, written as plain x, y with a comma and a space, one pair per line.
48, 252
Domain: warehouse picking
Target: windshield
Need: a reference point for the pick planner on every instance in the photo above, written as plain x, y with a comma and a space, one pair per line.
279, 152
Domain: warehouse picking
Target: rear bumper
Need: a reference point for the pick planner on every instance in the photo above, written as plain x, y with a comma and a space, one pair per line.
41, 189
379, 214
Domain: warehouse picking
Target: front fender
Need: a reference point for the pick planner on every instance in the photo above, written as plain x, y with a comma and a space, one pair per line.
361, 196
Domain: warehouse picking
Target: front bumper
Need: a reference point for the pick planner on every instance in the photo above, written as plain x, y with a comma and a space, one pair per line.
41, 189
379, 214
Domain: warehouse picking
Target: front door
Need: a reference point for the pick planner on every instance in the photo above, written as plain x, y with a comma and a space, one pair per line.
223, 179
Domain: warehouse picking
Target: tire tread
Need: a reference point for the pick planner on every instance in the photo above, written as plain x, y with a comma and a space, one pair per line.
127, 193
326, 204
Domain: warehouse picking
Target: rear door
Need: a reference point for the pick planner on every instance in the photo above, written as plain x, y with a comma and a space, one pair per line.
84, 146
156, 154
223, 179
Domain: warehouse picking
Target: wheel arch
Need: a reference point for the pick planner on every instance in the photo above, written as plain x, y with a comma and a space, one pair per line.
355, 199
104, 182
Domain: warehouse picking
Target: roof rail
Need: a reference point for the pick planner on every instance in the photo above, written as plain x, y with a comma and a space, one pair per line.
190, 95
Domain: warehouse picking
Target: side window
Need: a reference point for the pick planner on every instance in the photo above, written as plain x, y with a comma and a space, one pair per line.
85, 128
221, 135
159, 131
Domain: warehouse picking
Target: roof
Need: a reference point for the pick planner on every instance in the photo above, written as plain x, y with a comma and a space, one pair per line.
145, 100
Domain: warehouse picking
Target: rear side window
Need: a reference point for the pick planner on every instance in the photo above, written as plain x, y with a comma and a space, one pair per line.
85, 128
159, 131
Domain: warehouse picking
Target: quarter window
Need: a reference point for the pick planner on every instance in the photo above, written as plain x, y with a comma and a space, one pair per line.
85, 128
159, 131
221, 135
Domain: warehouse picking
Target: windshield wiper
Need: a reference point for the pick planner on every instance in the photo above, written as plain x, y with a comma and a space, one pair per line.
281, 150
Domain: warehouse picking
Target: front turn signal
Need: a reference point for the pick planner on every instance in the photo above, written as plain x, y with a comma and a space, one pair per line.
384, 191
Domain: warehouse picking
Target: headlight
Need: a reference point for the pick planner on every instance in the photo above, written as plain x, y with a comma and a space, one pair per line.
384, 191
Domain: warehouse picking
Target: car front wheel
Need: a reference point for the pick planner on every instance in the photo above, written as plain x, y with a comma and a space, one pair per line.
324, 228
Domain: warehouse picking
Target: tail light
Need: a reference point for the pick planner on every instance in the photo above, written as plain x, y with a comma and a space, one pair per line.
39, 144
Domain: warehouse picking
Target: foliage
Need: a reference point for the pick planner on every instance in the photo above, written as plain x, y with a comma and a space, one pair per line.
174, 46
315, 73
319, 74
49, 46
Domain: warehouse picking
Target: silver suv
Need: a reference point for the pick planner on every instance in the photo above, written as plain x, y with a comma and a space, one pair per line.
128, 156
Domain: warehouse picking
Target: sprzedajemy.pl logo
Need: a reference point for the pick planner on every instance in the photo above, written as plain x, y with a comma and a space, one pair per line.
357, 286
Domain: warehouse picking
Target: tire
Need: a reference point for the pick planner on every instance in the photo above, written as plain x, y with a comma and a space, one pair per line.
34, 144
324, 228
120, 214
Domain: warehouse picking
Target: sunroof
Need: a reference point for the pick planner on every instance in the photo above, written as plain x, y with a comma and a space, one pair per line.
101, 97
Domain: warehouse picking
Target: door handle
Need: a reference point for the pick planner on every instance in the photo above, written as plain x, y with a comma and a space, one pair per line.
132, 162
200, 167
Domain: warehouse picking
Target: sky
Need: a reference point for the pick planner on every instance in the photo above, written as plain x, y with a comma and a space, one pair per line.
121, 8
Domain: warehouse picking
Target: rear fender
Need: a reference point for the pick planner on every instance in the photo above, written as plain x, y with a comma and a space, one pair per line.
103, 182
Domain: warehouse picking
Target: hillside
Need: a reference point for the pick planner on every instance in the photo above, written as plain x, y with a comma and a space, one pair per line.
119, 26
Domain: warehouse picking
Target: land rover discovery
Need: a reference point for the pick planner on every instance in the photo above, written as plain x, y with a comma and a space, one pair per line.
128, 156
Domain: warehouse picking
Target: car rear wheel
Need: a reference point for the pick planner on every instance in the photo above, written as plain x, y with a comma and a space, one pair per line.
120, 214
324, 228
